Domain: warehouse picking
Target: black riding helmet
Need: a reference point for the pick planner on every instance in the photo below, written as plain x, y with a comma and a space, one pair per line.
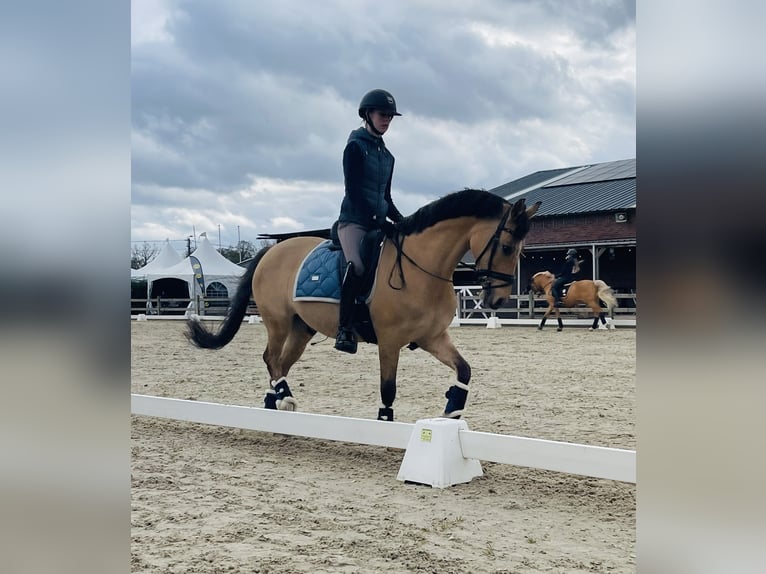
571, 253
377, 100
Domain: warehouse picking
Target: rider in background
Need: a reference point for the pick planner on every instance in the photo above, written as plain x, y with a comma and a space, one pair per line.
368, 168
566, 274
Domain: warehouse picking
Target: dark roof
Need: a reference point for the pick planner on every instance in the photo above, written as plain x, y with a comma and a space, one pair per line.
529, 181
609, 186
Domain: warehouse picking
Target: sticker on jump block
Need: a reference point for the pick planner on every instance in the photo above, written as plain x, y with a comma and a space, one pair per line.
425, 435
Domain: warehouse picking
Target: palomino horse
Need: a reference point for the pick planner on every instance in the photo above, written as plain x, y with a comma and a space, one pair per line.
412, 302
583, 291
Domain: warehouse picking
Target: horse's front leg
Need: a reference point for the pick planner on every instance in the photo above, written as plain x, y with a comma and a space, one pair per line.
389, 362
442, 348
548, 312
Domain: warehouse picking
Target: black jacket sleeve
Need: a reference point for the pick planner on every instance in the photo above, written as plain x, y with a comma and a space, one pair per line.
393, 213
353, 175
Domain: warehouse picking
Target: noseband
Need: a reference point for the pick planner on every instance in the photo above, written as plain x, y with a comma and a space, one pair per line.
484, 275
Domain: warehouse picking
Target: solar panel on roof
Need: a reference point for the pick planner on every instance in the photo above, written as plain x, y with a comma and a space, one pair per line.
584, 197
528, 181
601, 172
606, 186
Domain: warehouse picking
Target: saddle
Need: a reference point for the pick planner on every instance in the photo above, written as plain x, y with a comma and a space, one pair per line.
320, 276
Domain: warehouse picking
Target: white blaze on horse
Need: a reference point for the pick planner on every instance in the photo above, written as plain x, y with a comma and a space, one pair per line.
584, 291
412, 302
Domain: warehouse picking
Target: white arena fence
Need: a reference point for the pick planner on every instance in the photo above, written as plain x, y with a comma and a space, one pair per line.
524, 310
443, 449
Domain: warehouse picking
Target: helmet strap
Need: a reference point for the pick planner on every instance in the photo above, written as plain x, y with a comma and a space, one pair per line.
368, 121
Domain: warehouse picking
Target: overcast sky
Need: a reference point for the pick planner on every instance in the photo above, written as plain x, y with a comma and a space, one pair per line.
241, 108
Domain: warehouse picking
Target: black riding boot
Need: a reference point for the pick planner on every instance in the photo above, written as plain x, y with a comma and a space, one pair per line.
556, 292
556, 297
345, 340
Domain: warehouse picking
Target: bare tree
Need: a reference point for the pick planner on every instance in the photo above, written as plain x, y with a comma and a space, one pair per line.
142, 254
244, 250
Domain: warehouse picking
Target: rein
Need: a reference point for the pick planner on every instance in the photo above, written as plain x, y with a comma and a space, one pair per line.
487, 273
399, 254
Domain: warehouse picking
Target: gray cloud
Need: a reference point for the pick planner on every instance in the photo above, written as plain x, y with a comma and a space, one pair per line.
229, 96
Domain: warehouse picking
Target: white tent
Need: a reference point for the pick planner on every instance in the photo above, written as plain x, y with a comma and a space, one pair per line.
214, 268
166, 258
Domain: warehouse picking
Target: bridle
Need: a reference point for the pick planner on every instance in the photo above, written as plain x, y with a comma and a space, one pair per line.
484, 275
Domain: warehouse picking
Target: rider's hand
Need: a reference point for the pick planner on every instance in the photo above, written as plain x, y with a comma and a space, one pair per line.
388, 228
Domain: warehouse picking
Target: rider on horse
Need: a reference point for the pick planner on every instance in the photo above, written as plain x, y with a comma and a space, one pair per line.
368, 168
566, 274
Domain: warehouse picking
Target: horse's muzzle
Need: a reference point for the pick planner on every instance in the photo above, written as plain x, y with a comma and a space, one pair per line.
488, 299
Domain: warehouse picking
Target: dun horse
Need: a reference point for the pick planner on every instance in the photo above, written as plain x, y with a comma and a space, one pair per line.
583, 291
412, 302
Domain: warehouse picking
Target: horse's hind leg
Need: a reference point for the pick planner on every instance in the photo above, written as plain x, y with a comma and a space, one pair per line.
442, 348
596, 308
277, 335
284, 348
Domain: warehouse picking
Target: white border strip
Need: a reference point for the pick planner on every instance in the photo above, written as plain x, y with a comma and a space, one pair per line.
571, 458
346, 429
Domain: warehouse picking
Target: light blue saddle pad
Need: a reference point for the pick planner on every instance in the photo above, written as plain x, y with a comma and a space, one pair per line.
319, 277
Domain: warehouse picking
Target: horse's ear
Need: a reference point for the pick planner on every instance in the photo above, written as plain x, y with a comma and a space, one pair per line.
532, 210
518, 208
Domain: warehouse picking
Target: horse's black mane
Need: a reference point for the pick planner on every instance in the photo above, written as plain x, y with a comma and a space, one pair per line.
466, 203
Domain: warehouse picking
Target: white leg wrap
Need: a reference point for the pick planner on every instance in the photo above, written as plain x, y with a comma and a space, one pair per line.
275, 383
287, 404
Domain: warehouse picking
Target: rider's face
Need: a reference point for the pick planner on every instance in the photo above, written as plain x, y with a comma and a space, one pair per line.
381, 120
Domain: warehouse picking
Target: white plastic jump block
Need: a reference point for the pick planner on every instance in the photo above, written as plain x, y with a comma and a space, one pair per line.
494, 323
434, 456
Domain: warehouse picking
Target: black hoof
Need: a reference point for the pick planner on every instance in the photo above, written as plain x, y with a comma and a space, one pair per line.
385, 414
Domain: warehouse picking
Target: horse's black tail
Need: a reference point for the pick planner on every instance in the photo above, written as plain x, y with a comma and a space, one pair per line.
205, 339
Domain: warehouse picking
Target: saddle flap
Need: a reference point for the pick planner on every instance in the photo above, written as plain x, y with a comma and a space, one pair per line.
320, 275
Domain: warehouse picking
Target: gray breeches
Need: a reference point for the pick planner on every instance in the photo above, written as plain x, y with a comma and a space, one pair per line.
350, 236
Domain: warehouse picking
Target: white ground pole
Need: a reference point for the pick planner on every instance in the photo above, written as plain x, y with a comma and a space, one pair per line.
440, 450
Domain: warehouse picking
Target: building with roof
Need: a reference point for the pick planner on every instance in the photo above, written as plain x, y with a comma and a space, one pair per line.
591, 208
